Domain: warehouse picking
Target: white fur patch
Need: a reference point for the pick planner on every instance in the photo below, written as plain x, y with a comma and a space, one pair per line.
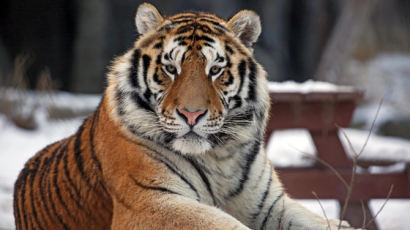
191, 145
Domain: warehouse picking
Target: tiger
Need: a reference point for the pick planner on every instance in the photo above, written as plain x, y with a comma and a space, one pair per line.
175, 143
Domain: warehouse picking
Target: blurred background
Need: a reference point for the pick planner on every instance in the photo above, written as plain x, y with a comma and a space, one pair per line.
52, 53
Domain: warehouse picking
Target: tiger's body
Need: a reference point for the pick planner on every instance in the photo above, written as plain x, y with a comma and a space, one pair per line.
176, 142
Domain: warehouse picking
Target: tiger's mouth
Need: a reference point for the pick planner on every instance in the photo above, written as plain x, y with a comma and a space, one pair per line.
191, 143
192, 135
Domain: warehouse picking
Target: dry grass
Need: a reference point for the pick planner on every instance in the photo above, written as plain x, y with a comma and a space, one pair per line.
15, 107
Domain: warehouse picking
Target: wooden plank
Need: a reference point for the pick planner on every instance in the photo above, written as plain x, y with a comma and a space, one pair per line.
301, 182
314, 116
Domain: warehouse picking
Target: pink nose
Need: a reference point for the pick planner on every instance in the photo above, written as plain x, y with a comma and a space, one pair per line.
191, 117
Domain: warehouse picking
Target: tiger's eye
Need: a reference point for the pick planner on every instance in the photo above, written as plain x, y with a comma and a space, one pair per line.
171, 69
215, 70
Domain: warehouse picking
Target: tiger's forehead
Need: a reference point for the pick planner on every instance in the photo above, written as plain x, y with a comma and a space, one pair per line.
191, 33
205, 22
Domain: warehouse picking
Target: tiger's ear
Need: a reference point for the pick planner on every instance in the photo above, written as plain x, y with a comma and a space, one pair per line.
147, 18
246, 25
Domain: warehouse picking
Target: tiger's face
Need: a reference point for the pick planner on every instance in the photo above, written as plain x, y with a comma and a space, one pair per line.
190, 83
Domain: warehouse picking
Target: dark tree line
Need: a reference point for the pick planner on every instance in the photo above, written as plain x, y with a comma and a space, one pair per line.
77, 39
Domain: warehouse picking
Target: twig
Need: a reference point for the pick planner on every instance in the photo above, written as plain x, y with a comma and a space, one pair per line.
363, 213
381, 208
372, 127
355, 162
282, 214
337, 174
348, 194
323, 210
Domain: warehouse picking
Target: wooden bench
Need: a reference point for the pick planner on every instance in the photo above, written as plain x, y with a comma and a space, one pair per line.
321, 113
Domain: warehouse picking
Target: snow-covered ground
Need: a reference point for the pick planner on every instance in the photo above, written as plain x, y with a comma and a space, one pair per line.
284, 149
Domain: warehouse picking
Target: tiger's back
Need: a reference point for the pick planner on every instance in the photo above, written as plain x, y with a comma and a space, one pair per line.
61, 186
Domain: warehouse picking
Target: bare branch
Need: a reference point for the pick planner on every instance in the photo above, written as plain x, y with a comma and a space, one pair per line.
348, 141
282, 214
349, 193
337, 174
363, 213
372, 127
381, 208
323, 210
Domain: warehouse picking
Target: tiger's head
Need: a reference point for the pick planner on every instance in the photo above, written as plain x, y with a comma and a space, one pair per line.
190, 83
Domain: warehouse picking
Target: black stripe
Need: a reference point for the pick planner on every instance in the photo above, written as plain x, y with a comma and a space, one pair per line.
238, 102
134, 69
140, 102
230, 79
59, 218
79, 159
23, 182
166, 57
161, 189
184, 29
265, 194
158, 45
205, 29
33, 173
182, 43
181, 21
49, 193
242, 72
203, 37
78, 155
252, 80
207, 44
146, 60
56, 185
250, 159
158, 60
174, 169
44, 170
203, 176
42, 184
185, 16
156, 77
219, 58
92, 132
17, 219
73, 187
229, 49
80, 164
220, 26
269, 210
182, 38
183, 57
69, 179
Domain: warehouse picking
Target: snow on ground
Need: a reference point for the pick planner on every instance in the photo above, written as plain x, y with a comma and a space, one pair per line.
284, 149
306, 87
287, 147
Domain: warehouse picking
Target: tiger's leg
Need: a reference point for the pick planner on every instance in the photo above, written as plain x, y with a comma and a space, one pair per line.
163, 210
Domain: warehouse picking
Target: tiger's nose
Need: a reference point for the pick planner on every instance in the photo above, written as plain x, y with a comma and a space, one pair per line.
191, 117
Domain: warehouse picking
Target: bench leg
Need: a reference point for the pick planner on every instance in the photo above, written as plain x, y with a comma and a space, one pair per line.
354, 215
330, 149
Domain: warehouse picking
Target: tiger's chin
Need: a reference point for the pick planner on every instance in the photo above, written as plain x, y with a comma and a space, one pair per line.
191, 144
